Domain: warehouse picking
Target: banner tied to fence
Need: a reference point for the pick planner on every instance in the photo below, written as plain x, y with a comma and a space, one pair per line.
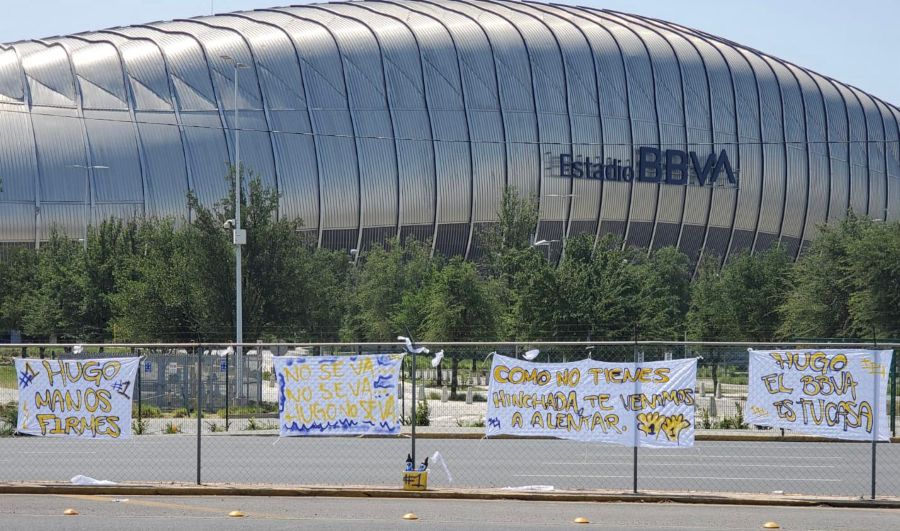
840, 394
645, 404
349, 395
84, 398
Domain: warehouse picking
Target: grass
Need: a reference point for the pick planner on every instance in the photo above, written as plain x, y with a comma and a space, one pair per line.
8, 376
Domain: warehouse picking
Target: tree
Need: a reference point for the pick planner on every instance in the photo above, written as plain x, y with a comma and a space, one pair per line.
460, 306
740, 302
664, 294
389, 292
54, 309
17, 280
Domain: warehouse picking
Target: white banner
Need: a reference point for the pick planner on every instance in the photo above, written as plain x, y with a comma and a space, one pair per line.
646, 404
84, 398
350, 395
840, 394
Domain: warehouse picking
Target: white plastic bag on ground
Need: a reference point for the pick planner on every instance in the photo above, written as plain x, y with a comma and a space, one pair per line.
84, 480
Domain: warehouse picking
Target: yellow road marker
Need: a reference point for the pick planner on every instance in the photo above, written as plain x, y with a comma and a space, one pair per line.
771, 525
410, 516
582, 520
70, 512
236, 514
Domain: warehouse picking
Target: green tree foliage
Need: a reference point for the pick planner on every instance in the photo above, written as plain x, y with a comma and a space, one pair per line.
17, 280
54, 308
740, 302
173, 280
390, 292
847, 284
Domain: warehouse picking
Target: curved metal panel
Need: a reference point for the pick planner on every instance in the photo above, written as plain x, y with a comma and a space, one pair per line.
641, 80
794, 122
609, 66
838, 149
287, 112
410, 121
584, 120
859, 173
874, 155
198, 109
489, 115
445, 97
698, 130
549, 83
256, 144
513, 74
323, 81
817, 150
18, 167
892, 137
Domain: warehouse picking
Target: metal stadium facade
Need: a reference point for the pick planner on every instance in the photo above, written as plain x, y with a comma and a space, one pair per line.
410, 117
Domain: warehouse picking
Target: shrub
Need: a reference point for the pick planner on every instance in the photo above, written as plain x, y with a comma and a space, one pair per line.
9, 419
172, 428
139, 428
146, 411
470, 423
423, 415
181, 413
215, 427
434, 395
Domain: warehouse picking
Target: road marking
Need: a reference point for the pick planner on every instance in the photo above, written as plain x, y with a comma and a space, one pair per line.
147, 503
646, 478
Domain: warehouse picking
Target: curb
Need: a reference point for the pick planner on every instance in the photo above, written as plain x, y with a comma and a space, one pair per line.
451, 494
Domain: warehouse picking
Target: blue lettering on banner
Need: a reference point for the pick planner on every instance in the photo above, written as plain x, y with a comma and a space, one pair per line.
670, 166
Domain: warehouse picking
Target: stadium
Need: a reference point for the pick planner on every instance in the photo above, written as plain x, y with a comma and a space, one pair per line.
410, 118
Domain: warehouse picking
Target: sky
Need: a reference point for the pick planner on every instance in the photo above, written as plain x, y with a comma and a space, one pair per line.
853, 41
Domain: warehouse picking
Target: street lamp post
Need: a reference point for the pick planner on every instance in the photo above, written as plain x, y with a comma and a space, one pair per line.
239, 236
88, 206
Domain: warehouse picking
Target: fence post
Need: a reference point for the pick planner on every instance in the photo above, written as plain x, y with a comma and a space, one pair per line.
894, 395
199, 405
635, 426
879, 400
414, 415
139, 393
227, 385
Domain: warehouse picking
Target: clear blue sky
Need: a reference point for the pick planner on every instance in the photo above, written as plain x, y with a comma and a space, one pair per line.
854, 41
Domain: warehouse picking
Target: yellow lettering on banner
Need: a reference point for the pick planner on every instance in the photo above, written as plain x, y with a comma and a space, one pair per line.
848, 414
622, 375
775, 383
785, 409
518, 375
297, 372
335, 370
362, 365
638, 402
537, 420
814, 361
598, 401
52, 424
516, 419
90, 371
569, 377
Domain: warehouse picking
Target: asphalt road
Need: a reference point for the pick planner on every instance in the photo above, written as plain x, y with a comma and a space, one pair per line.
100, 513
806, 468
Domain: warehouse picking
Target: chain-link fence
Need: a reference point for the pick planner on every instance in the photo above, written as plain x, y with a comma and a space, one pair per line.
209, 413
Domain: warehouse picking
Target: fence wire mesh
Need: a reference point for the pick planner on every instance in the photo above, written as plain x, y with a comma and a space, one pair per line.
209, 413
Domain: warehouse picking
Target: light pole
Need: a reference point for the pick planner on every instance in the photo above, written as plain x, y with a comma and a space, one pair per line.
239, 236
545, 243
88, 206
